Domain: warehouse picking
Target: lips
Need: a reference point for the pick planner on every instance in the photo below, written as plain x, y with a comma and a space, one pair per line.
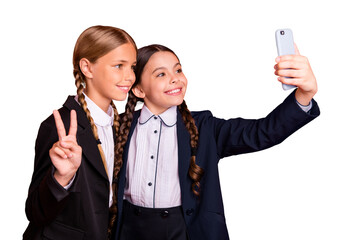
124, 88
175, 91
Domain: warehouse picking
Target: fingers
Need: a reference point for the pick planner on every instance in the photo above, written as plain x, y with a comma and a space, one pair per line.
59, 125
289, 81
290, 65
59, 151
66, 149
290, 73
296, 58
62, 152
69, 143
73, 123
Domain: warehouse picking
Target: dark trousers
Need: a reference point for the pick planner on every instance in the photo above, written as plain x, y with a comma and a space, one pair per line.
139, 223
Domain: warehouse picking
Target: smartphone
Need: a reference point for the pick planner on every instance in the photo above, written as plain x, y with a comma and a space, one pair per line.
285, 46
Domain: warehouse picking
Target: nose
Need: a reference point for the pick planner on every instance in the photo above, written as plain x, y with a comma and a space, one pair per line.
130, 76
174, 79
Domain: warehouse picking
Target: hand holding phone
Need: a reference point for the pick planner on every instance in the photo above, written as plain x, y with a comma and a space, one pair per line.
294, 68
285, 46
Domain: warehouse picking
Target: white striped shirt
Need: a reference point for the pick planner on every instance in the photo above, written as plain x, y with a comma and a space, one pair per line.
152, 167
104, 122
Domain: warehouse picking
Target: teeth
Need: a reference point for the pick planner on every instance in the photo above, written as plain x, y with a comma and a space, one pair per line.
125, 88
174, 91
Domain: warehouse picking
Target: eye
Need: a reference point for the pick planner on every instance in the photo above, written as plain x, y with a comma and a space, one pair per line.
160, 75
133, 67
119, 66
179, 70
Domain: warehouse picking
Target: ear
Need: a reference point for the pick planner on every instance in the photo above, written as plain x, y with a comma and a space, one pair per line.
138, 92
85, 66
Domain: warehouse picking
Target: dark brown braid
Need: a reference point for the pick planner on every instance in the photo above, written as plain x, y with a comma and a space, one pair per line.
116, 118
122, 137
195, 171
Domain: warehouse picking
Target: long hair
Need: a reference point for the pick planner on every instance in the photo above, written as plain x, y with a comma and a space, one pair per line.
195, 172
92, 44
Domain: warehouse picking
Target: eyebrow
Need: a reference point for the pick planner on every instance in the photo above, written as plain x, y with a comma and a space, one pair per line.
165, 67
123, 61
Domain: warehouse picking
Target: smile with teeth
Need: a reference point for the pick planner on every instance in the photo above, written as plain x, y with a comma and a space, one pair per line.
173, 91
124, 88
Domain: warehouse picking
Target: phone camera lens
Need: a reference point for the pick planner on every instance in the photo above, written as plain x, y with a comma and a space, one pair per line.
282, 32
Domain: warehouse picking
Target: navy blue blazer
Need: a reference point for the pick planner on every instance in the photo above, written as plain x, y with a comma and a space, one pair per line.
218, 138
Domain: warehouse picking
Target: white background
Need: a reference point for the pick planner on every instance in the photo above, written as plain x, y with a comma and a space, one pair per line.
304, 188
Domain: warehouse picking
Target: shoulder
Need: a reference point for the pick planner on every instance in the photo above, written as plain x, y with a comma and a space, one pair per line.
205, 118
201, 115
64, 111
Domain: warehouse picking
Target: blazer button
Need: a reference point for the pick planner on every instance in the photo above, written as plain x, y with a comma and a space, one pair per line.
164, 214
189, 212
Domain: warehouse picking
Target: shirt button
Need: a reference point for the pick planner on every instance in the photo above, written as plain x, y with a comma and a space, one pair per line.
155, 118
152, 157
149, 184
155, 131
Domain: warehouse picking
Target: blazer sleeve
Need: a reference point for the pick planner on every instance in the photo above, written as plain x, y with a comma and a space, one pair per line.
46, 197
238, 135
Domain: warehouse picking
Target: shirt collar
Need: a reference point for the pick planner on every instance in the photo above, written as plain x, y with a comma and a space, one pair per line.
168, 117
99, 116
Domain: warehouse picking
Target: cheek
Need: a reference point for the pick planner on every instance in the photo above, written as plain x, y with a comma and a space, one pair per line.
158, 86
185, 82
116, 75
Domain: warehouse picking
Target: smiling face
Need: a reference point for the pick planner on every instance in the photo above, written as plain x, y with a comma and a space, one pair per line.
162, 84
111, 76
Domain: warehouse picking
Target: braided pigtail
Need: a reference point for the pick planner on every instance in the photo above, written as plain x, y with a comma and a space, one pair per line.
80, 84
195, 171
121, 139
116, 119
94, 43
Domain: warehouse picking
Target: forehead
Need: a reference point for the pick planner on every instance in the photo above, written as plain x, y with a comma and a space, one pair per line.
162, 59
123, 52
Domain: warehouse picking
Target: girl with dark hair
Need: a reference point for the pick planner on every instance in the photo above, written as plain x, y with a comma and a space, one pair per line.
169, 184
71, 188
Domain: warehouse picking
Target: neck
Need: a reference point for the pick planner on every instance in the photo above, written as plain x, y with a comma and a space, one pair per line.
156, 111
102, 103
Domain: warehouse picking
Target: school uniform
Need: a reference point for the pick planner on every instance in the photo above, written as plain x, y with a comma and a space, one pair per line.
81, 210
204, 217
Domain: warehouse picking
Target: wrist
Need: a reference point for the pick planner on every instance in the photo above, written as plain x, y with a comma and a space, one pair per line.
63, 179
303, 98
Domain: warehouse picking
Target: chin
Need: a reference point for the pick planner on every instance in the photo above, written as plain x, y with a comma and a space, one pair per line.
120, 97
178, 102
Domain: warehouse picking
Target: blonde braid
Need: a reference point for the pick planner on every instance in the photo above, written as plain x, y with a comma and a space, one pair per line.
79, 82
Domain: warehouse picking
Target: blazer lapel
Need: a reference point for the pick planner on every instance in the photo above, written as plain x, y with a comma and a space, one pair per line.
127, 145
184, 152
86, 138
